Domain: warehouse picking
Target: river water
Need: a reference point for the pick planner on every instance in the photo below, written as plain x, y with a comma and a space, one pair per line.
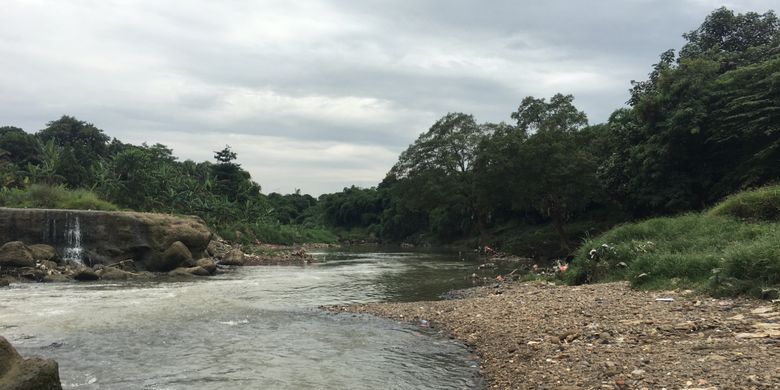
250, 328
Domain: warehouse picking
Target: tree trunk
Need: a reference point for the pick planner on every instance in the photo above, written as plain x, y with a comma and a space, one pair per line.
558, 222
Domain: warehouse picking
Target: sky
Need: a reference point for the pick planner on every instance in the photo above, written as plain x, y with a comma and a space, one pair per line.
321, 95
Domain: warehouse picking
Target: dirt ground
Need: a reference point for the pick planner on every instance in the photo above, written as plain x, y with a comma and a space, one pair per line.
606, 336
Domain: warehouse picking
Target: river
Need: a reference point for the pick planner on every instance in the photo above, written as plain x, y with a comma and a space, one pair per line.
248, 328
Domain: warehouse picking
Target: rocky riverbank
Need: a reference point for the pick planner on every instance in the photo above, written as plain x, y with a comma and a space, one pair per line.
606, 336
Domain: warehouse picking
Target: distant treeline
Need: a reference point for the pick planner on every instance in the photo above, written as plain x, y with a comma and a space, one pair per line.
705, 124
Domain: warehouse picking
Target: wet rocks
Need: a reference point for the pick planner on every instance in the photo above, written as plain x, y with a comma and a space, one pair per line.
16, 254
111, 273
177, 255
207, 264
234, 257
17, 373
189, 271
43, 252
85, 274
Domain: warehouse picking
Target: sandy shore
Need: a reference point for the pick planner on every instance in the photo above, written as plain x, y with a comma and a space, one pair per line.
606, 336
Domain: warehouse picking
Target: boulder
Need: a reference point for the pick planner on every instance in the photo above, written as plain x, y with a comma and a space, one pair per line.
17, 373
42, 252
16, 254
207, 264
47, 265
111, 273
177, 255
189, 271
32, 273
234, 257
56, 278
85, 274
6, 281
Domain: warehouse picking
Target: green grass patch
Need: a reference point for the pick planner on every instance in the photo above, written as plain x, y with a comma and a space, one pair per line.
762, 204
719, 254
53, 197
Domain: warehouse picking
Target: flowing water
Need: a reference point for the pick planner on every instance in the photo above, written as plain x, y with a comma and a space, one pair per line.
73, 250
252, 328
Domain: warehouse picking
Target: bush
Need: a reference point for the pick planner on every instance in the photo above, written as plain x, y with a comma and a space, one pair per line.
53, 197
762, 204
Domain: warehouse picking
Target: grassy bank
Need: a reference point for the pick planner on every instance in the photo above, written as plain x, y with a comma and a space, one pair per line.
732, 249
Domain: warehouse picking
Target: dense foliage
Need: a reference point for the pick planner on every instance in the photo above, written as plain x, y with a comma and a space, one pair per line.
705, 124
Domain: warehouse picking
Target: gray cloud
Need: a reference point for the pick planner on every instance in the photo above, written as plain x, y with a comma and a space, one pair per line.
319, 95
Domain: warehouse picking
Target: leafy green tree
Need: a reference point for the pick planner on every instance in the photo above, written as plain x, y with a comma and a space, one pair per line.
83, 145
231, 180
703, 125
18, 146
544, 165
435, 175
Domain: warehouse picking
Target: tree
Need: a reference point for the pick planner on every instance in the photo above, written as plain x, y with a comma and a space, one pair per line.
434, 175
544, 167
232, 181
83, 144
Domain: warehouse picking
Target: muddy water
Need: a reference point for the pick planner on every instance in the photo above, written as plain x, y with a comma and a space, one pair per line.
253, 328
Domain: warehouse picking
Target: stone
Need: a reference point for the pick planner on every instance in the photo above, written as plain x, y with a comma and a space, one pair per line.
55, 278
31, 273
189, 271
17, 373
16, 254
47, 265
5, 281
85, 274
207, 264
638, 372
111, 273
42, 252
234, 257
177, 255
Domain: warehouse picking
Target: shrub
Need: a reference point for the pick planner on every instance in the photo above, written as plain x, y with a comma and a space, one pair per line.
53, 197
762, 204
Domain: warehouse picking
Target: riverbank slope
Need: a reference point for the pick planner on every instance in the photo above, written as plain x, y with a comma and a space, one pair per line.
542, 336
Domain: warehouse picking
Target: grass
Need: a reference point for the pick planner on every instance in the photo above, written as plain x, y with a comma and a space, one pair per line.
732, 249
762, 204
53, 197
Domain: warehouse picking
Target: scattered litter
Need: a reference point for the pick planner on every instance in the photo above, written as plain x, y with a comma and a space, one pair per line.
664, 299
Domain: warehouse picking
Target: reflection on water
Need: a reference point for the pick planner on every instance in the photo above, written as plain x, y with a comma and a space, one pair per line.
256, 327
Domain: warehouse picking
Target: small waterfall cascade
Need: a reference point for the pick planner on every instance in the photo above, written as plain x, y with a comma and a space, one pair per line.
73, 250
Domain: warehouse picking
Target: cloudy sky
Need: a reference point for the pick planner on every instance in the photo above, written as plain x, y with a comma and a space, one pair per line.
319, 95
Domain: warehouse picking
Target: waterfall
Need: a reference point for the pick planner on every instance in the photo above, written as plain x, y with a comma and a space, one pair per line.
73, 239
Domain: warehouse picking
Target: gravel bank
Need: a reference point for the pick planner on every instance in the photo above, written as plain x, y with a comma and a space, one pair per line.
605, 336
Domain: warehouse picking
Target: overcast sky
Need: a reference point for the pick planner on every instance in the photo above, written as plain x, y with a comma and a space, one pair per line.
319, 95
